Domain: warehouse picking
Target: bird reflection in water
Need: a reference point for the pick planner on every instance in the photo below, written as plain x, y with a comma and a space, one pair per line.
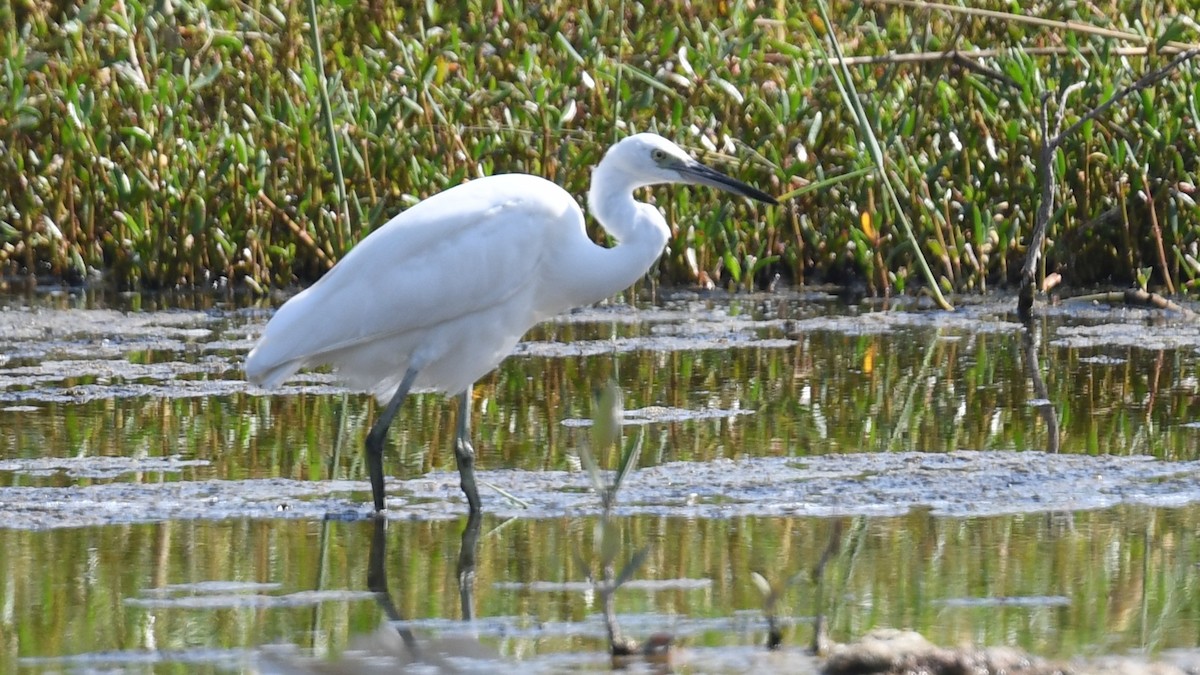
394, 646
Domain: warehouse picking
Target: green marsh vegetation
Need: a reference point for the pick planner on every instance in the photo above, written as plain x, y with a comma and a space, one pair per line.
185, 143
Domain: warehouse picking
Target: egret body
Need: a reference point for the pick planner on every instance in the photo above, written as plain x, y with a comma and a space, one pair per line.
440, 294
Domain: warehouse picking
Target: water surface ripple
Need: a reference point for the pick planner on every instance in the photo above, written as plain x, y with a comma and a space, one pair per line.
959, 474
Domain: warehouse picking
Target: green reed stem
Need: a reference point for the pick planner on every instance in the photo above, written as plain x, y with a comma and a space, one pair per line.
343, 230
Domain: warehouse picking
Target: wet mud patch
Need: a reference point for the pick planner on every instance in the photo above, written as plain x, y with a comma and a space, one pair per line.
957, 484
658, 414
81, 355
889, 651
142, 660
22, 324
39, 508
1074, 324
29, 333
98, 467
1181, 335
656, 343
1007, 601
876, 323
170, 388
215, 601
644, 585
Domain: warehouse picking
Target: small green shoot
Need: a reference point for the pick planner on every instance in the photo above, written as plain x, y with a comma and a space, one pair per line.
606, 434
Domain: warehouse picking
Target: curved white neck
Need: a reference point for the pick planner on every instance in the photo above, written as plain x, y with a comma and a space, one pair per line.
640, 230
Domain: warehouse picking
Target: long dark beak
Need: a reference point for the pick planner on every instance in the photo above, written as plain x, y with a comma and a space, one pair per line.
695, 172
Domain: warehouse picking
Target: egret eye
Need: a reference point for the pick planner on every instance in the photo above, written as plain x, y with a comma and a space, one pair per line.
658, 155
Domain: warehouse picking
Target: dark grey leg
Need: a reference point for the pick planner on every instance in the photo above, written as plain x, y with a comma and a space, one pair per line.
464, 453
379, 432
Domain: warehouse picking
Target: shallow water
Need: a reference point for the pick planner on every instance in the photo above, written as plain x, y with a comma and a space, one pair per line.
160, 515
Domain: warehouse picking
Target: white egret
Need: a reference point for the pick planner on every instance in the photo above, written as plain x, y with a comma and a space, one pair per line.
440, 295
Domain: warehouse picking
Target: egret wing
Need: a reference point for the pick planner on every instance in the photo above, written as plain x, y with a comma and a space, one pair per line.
473, 247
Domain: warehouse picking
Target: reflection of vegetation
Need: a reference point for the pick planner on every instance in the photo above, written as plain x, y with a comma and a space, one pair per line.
606, 434
1030, 343
830, 393
1129, 575
771, 595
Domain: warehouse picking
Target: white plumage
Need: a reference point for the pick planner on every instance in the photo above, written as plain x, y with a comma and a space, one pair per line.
440, 295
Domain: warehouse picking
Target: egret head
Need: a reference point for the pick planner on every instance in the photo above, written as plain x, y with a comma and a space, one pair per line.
650, 159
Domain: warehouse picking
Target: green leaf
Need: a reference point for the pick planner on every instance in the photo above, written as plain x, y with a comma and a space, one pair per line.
632, 566
1173, 32
206, 78
138, 133
198, 213
566, 46
135, 230
630, 460
228, 42
606, 421
735, 268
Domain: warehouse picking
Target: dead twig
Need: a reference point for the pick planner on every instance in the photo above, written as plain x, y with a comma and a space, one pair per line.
1070, 26
972, 56
1030, 340
962, 61
1135, 297
1148, 80
1051, 140
1045, 203
304, 237
1157, 232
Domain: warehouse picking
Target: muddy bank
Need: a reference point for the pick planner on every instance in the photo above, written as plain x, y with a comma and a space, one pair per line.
899, 652
958, 484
